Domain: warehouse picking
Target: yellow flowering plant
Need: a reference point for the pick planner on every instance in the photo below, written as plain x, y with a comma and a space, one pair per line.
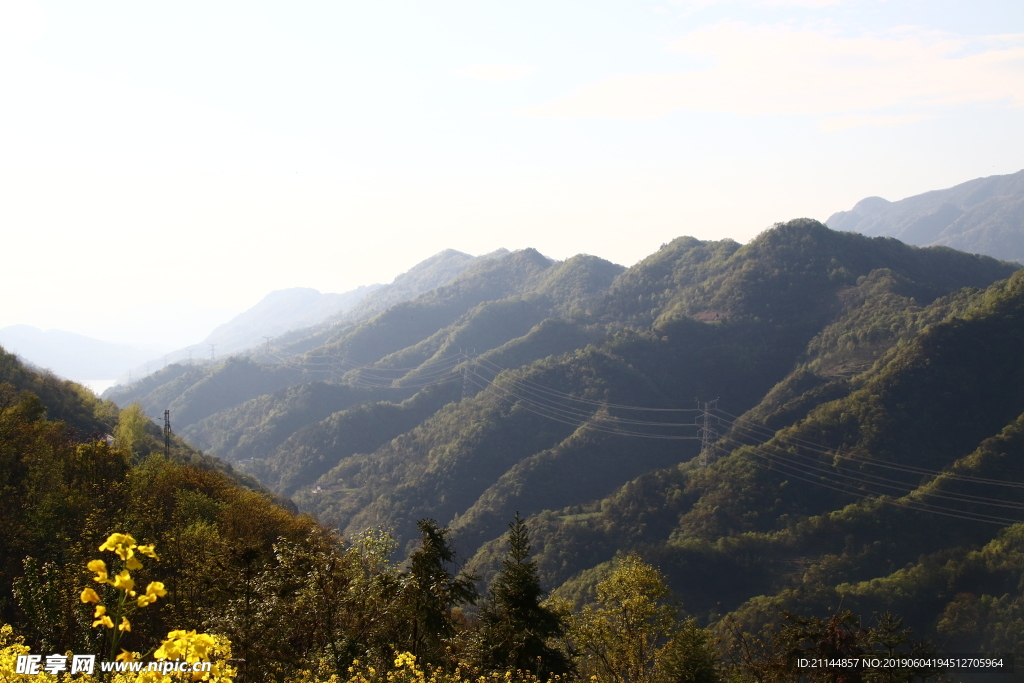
187, 646
127, 600
192, 647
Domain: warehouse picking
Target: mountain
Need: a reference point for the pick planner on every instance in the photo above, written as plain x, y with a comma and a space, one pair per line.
275, 314
305, 314
559, 344
438, 270
884, 472
983, 216
864, 450
71, 355
279, 312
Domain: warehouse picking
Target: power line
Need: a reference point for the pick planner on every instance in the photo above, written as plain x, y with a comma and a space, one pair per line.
791, 471
867, 479
591, 422
810, 469
755, 428
497, 369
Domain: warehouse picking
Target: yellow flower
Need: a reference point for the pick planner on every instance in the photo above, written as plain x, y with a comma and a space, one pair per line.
102, 618
170, 648
201, 645
121, 544
125, 625
100, 567
154, 590
133, 563
89, 595
112, 541
124, 581
126, 656
148, 551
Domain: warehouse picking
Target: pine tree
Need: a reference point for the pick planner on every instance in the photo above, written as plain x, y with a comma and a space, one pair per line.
516, 626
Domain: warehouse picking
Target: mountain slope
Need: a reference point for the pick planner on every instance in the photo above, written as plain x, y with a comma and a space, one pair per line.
887, 493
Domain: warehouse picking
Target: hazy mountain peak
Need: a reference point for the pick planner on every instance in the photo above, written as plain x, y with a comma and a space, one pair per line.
984, 216
280, 311
531, 255
870, 206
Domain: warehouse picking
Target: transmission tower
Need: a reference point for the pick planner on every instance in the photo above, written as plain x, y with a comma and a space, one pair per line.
465, 372
167, 434
708, 435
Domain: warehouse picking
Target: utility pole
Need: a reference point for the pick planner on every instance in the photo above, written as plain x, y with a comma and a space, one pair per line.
708, 435
167, 434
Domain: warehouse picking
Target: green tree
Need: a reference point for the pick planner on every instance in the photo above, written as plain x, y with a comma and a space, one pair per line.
434, 591
130, 432
633, 635
516, 626
689, 656
773, 654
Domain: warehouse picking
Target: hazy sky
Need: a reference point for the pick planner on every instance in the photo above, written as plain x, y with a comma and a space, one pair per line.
181, 160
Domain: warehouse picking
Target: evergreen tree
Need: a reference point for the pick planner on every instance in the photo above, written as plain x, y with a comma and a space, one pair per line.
434, 591
516, 626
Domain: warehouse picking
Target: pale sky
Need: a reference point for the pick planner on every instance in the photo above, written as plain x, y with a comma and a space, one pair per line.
175, 162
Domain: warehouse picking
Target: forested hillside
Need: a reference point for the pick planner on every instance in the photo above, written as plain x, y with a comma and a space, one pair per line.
256, 593
567, 391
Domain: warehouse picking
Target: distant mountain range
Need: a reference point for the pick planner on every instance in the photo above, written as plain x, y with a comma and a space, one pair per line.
278, 312
981, 216
285, 314
71, 355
